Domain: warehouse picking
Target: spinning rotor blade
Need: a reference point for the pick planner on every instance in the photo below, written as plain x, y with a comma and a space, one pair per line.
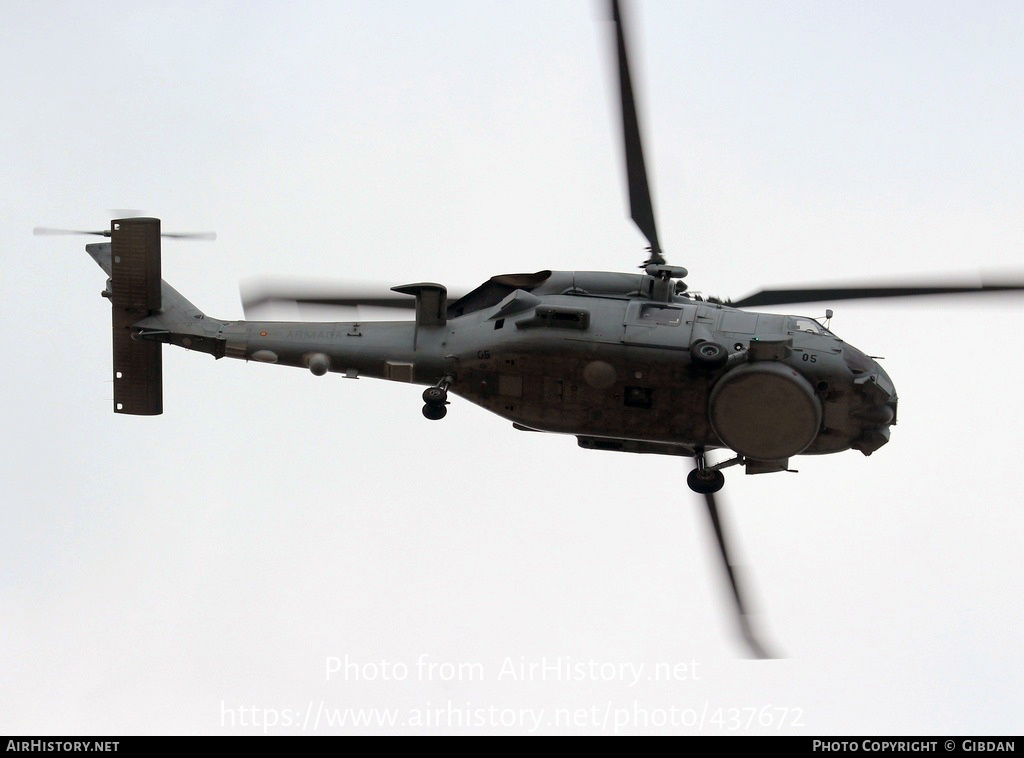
746, 628
864, 292
640, 206
251, 302
258, 293
42, 231
190, 235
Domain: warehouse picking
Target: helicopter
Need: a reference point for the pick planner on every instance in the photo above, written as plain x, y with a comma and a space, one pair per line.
623, 362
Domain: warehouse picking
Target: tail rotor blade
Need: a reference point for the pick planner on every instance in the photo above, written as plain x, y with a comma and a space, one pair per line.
45, 231
210, 236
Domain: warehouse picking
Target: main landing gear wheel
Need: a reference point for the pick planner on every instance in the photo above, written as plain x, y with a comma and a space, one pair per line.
705, 482
702, 480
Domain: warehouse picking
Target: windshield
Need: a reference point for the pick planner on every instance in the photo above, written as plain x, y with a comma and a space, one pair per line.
805, 324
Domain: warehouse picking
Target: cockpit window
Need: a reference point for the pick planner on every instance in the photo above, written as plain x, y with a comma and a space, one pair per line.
804, 324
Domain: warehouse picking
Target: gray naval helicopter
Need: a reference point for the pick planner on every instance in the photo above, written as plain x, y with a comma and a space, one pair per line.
624, 362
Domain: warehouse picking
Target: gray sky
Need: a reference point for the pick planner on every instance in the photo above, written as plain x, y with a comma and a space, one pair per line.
162, 574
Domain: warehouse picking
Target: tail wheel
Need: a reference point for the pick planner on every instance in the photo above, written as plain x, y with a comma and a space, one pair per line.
435, 396
434, 412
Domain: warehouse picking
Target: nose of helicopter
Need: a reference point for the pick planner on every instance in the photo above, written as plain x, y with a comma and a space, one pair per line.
878, 401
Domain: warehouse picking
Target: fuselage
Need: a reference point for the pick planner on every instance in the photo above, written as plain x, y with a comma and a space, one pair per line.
601, 356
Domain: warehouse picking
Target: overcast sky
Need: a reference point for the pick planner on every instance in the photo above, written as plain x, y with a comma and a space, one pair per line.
199, 572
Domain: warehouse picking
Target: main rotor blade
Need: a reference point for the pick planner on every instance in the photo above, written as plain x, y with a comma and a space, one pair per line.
640, 206
259, 292
746, 627
253, 301
864, 292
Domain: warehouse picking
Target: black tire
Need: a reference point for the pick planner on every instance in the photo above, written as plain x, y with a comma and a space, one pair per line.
434, 412
709, 483
435, 396
709, 356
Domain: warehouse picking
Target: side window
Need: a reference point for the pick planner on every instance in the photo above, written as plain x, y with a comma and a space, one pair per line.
663, 315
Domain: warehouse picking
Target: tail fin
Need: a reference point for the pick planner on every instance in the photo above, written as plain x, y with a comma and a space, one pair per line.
147, 312
134, 268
